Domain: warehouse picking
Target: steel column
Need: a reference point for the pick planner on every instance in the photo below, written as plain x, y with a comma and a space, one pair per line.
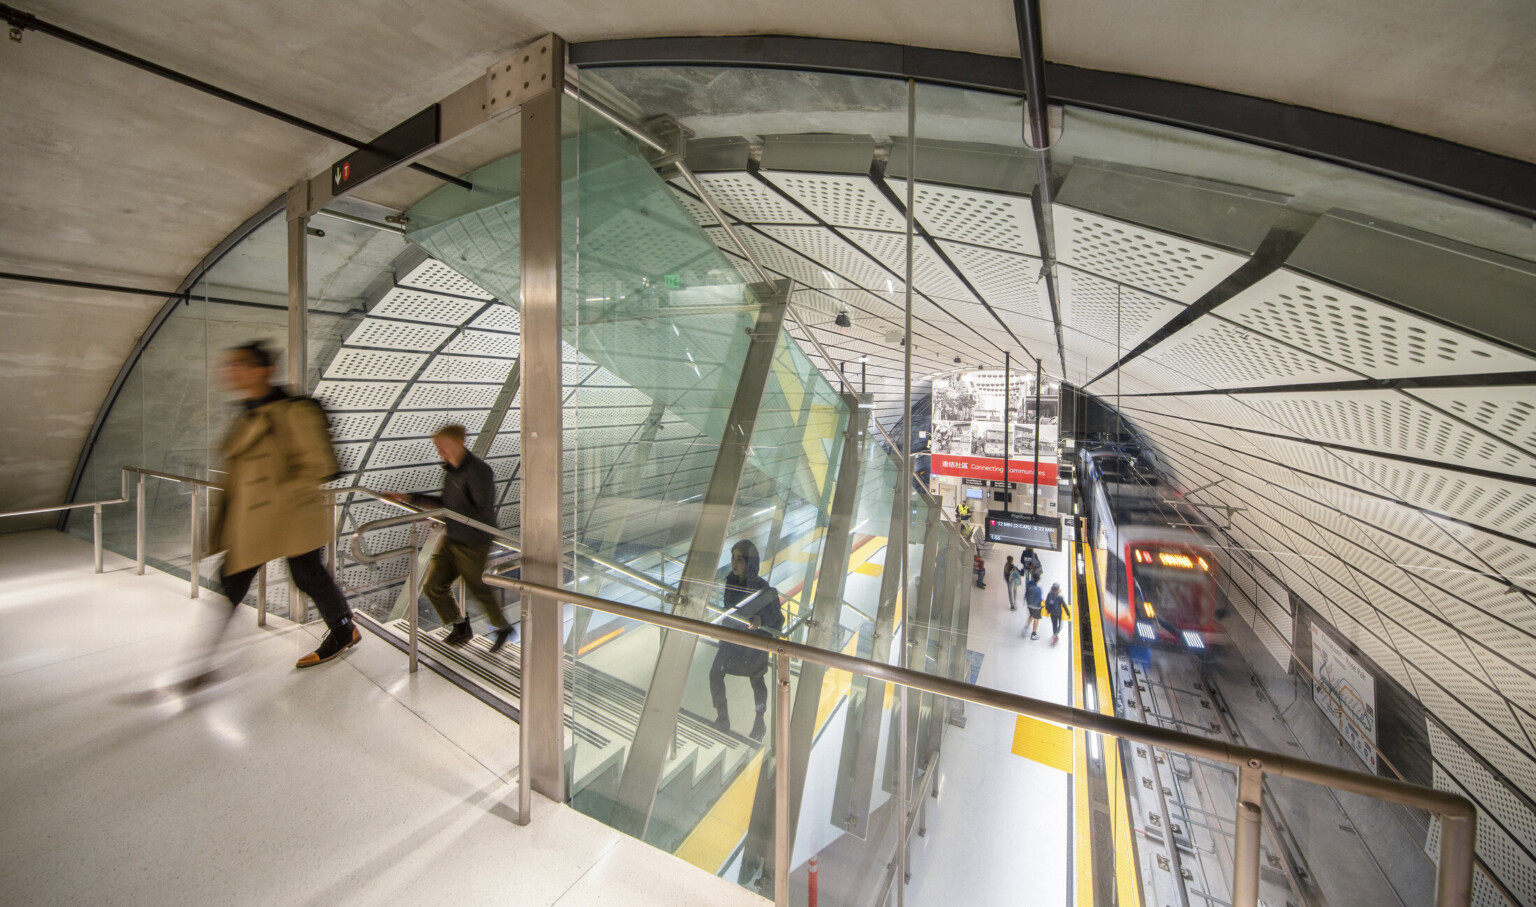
1038, 375
411, 585
298, 301
261, 596
783, 824
1245, 849
866, 704
826, 607
139, 529
192, 546
96, 534
647, 757
541, 224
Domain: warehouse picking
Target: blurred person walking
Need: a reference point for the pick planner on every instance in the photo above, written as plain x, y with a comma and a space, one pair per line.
469, 489
1056, 607
1032, 601
276, 456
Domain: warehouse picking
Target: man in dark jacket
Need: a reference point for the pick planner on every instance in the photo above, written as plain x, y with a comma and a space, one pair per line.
469, 488
752, 605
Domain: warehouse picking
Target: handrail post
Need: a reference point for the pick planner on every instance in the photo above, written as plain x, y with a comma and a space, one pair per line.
1453, 880
781, 829
261, 596
96, 532
192, 565
410, 598
334, 555
1245, 852
138, 529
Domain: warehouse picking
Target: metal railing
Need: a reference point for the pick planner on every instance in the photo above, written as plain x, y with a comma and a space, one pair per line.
95, 516
1458, 816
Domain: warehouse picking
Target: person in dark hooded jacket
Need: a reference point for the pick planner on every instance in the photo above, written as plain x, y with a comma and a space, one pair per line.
752, 605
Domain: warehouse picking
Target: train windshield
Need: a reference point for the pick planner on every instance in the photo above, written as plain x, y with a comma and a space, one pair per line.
1178, 595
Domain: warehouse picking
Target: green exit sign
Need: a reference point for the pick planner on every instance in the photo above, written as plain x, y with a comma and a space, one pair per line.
674, 281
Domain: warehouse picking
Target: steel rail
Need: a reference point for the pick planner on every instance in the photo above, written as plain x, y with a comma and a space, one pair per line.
1458, 815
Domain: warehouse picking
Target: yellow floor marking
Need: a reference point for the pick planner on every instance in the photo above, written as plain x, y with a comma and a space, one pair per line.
1043, 742
710, 844
1082, 851
598, 641
1126, 881
868, 569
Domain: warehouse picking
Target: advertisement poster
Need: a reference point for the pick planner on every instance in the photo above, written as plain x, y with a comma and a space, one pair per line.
1341, 685
968, 413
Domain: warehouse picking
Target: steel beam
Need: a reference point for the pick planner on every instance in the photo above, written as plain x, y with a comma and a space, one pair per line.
826, 609
866, 701
658, 720
542, 734
613, 527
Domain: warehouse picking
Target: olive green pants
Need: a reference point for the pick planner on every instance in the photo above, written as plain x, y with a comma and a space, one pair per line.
466, 560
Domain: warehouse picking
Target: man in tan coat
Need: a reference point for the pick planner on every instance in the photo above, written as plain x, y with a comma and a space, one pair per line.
276, 456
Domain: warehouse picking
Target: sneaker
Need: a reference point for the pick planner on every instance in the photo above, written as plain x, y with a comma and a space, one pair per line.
1053, 640
1013, 607
1034, 636
332, 646
462, 634
758, 728
501, 636
722, 722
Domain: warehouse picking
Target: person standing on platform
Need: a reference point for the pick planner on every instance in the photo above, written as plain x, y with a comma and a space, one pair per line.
752, 605
1029, 561
1012, 576
1056, 607
469, 489
276, 456
1032, 601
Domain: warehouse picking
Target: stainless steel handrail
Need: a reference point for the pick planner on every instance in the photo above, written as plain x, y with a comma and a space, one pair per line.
1458, 816
512, 543
95, 519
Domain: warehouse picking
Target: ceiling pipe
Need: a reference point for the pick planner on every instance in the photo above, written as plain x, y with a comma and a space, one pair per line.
20, 21
1037, 135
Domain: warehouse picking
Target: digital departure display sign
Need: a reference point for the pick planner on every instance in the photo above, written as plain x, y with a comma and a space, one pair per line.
1022, 529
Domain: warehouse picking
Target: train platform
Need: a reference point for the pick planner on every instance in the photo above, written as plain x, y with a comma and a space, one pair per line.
996, 808
354, 782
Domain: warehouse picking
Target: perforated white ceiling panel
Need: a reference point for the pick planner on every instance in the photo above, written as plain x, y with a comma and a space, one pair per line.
1111, 311
417, 305
1509, 412
1362, 334
842, 201
1217, 353
398, 335
1008, 282
435, 277
1170, 266
1004, 222
1386, 421
747, 198
930, 276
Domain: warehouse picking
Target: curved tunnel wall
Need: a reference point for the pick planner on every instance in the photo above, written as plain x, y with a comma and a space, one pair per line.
1350, 396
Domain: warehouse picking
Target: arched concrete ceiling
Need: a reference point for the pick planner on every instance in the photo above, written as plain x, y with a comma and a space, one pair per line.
118, 176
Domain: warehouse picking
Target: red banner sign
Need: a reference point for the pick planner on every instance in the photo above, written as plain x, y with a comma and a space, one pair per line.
992, 468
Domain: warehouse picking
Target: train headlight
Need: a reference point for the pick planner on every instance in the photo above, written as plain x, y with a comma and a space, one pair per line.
1203, 565
1193, 640
1147, 609
1145, 630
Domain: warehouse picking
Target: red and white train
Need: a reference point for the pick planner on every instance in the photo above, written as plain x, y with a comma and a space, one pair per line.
1158, 574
